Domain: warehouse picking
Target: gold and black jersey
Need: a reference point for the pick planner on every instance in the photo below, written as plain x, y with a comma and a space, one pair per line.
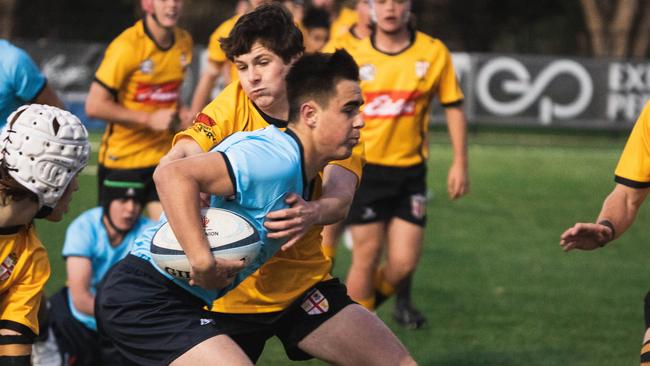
24, 270
289, 273
633, 169
143, 77
347, 41
397, 91
346, 18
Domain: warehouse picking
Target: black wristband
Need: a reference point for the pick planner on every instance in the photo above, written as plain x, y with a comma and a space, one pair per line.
610, 226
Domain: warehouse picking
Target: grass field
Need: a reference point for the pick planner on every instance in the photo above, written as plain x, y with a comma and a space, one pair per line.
493, 281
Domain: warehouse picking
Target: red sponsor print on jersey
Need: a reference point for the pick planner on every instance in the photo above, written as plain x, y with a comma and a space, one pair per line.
204, 119
390, 103
166, 93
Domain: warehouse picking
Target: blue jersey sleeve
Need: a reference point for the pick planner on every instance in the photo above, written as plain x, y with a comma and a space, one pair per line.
80, 238
25, 75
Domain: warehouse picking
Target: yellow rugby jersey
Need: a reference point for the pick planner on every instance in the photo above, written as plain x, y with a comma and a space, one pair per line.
347, 41
288, 274
633, 169
397, 91
215, 53
143, 77
347, 17
24, 269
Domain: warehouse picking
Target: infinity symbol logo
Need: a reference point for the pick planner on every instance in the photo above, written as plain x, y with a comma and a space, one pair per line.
530, 91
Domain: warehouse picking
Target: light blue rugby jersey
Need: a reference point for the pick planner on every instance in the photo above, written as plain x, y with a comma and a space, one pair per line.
87, 237
264, 165
20, 79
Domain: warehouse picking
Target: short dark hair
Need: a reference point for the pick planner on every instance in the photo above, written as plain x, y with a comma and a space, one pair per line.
315, 76
270, 24
316, 18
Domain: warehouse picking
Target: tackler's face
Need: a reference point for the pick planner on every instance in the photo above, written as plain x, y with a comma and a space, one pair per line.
391, 16
261, 74
167, 12
124, 213
339, 123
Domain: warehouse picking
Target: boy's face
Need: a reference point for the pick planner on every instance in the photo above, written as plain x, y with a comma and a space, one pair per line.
339, 124
363, 13
315, 39
261, 74
124, 213
167, 12
64, 202
392, 15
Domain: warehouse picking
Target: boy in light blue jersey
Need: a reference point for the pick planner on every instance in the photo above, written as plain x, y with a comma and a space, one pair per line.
21, 82
153, 318
94, 242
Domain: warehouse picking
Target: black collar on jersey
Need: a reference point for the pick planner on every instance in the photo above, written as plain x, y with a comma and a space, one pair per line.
308, 187
352, 32
10, 229
148, 33
412, 34
279, 123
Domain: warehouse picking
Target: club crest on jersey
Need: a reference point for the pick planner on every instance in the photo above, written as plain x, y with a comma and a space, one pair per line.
367, 72
7, 266
418, 206
421, 68
146, 67
315, 303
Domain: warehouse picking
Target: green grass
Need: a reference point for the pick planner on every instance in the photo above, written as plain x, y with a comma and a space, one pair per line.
492, 280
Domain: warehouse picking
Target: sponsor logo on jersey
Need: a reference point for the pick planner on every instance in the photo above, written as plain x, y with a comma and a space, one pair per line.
367, 72
146, 67
207, 321
315, 303
390, 104
204, 119
204, 130
7, 266
166, 93
421, 68
418, 205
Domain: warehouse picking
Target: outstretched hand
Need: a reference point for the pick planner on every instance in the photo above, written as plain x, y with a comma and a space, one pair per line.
293, 222
585, 236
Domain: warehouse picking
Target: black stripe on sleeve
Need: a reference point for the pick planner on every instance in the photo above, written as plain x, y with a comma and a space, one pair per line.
24, 330
110, 90
631, 183
231, 173
457, 103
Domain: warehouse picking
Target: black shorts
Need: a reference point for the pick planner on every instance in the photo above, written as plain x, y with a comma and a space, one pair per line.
149, 319
76, 341
303, 316
387, 192
146, 177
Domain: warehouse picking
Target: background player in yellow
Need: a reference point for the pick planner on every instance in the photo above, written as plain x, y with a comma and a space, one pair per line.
37, 138
292, 296
632, 177
136, 90
315, 29
401, 71
217, 64
341, 16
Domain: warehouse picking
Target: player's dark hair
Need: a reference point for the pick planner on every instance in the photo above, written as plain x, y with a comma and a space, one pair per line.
316, 18
271, 25
315, 76
10, 189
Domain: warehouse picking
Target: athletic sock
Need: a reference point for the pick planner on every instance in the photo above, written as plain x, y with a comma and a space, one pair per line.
368, 303
645, 354
330, 252
403, 293
383, 289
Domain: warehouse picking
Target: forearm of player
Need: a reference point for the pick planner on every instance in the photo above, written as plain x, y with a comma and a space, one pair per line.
79, 271
205, 85
339, 186
184, 147
49, 97
457, 128
620, 209
101, 104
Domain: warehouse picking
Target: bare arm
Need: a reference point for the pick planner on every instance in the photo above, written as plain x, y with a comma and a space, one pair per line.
80, 273
101, 104
339, 185
205, 85
184, 147
619, 209
49, 97
458, 178
179, 183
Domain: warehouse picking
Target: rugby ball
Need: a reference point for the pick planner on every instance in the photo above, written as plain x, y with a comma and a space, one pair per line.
231, 236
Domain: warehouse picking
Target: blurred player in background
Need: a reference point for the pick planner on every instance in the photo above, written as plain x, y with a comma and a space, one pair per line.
315, 29
401, 70
341, 16
632, 177
136, 90
37, 138
217, 65
94, 242
349, 41
292, 296
21, 82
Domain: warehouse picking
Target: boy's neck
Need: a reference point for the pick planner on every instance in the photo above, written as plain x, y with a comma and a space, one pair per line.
161, 35
392, 42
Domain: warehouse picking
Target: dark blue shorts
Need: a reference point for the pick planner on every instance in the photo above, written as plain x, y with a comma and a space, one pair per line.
147, 318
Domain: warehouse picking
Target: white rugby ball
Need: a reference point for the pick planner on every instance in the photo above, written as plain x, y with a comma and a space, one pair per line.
231, 236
